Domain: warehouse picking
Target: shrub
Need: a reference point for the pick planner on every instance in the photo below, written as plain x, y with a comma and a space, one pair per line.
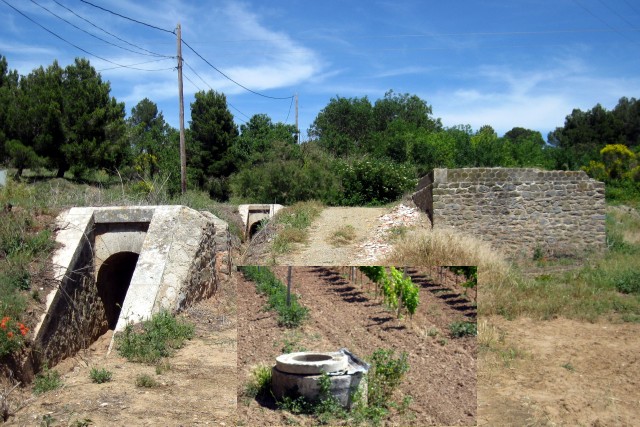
385, 375
100, 376
146, 380
46, 380
260, 383
628, 282
160, 336
461, 329
12, 335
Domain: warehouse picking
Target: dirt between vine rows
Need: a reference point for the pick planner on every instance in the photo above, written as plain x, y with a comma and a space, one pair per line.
442, 375
565, 372
197, 386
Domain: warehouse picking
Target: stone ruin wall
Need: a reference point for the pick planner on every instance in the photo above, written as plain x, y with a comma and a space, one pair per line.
561, 213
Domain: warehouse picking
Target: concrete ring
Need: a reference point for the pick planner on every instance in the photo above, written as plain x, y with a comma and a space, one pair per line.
311, 363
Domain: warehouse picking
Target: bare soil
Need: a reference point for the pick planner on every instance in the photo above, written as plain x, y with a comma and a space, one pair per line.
196, 386
319, 251
442, 375
564, 372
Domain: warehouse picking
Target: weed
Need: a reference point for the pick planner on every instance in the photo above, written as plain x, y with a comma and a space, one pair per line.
46, 380
433, 332
86, 422
146, 380
293, 222
343, 235
260, 384
462, 329
100, 376
628, 282
160, 336
569, 367
397, 233
290, 316
47, 420
442, 341
385, 376
162, 366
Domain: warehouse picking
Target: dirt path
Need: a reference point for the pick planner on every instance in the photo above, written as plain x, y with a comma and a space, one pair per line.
318, 250
197, 386
442, 374
564, 372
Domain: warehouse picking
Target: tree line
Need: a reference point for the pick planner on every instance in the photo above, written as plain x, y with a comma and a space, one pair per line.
360, 152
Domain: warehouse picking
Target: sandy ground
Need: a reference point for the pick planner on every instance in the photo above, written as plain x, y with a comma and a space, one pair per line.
197, 386
564, 373
319, 250
442, 376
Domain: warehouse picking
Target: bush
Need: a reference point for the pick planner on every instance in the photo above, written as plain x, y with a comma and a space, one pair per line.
385, 376
46, 381
160, 336
628, 282
145, 380
100, 376
260, 383
290, 316
462, 329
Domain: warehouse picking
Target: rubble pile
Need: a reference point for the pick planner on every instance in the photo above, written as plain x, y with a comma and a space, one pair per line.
379, 245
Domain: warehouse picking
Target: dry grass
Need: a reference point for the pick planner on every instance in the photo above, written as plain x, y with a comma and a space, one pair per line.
628, 222
343, 235
496, 276
292, 223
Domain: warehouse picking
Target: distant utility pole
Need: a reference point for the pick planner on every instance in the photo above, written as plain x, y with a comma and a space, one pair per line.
297, 128
183, 151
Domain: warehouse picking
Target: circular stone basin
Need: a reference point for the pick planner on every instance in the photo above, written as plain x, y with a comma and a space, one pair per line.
311, 363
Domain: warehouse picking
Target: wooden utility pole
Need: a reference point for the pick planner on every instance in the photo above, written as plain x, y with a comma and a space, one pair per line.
183, 151
297, 128
289, 287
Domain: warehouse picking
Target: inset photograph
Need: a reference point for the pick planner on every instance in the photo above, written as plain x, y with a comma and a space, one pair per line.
367, 345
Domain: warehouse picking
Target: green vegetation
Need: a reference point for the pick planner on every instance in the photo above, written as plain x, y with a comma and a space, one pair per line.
462, 329
100, 376
157, 338
146, 381
289, 316
386, 374
259, 386
46, 380
293, 222
397, 290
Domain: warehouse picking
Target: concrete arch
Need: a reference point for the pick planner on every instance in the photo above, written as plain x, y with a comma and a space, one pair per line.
114, 238
113, 280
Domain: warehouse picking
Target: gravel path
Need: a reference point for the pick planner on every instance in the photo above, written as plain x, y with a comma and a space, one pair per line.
371, 227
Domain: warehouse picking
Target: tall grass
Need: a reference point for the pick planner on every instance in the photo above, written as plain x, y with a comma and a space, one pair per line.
608, 286
292, 223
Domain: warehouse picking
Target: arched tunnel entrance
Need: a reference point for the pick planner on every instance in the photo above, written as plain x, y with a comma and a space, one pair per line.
113, 281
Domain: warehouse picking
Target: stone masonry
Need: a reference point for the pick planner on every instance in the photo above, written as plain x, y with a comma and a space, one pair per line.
560, 213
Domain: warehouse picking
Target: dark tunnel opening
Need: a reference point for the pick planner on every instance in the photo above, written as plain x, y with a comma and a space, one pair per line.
255, 227
113, 282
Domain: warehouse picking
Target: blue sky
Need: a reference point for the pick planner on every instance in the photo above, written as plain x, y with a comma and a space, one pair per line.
504, 63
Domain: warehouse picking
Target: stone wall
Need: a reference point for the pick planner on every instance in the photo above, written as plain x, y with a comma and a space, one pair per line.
561, 213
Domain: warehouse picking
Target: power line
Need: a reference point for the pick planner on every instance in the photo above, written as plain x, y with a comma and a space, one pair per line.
230, 79
111, 34
141, 63
130, 19
617, 14
203, 81
67, 41
603, 21
190, 81
632, 7
287, 119
87, 32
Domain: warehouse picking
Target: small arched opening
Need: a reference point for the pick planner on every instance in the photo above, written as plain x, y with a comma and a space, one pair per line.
255, 227
113, 281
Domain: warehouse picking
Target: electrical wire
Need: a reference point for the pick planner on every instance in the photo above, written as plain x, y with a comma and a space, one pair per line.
142, 63
126, 17
230, 79
68, 42
190, 81
290, 105
203, 81
603, 21
111, 34
616, 13
87, 32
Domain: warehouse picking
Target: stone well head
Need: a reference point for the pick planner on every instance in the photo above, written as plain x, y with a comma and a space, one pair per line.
299, 374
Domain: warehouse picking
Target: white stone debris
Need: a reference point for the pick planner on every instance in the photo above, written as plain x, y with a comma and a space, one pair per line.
379, 246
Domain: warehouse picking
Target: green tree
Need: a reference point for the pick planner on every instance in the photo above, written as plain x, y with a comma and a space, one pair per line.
404, 107
527, 148
489, 150
213, 132
257, 138
344, 126
93, 121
